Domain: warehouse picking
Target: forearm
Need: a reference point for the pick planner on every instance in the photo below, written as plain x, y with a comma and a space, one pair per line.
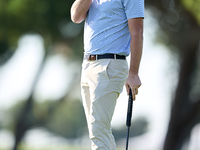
136, 46
79, 10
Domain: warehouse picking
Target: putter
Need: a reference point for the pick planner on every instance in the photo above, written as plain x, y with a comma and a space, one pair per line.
129, 116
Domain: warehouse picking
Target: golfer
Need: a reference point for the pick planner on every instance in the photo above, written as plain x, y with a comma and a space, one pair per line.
113, 30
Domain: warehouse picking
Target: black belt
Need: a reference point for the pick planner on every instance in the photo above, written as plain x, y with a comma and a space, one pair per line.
104, 56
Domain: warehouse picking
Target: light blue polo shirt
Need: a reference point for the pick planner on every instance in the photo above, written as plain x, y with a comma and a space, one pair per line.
106, 26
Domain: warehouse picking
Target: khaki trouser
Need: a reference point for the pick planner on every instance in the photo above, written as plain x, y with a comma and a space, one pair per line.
101, 83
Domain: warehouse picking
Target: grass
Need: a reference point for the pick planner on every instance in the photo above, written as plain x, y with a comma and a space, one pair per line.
56, 147
25, 147
68, 147
60, 148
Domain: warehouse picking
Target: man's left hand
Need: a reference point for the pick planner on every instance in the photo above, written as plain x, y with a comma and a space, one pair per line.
133, 82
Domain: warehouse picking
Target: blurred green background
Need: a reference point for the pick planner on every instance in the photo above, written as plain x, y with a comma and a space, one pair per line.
41, 52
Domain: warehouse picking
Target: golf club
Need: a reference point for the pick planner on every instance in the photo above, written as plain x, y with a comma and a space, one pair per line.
129, 115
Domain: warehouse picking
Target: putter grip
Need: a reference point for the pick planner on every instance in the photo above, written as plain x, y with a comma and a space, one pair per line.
129, 111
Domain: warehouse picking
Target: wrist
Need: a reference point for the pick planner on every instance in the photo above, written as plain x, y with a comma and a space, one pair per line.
133, 73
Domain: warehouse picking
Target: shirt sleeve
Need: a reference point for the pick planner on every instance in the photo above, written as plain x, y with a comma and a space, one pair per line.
134, 8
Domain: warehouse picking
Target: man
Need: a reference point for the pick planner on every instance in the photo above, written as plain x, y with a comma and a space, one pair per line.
113, 29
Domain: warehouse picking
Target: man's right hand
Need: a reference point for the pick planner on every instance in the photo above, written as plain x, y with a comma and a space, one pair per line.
79, 10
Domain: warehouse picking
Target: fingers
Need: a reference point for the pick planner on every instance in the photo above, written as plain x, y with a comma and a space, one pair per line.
134, 92
127, 88
133, 82
133, 89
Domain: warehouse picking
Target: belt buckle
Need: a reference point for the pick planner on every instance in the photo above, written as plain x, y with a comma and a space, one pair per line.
92, 57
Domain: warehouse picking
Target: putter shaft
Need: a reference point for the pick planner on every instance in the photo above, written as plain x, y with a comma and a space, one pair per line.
127, 138
129, 116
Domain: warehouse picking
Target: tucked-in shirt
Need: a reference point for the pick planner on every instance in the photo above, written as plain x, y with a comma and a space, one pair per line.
106, 26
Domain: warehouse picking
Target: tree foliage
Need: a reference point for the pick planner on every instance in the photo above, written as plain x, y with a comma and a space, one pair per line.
66, 119
139, 124
179, 21
19, 17
193, 7
49, 18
